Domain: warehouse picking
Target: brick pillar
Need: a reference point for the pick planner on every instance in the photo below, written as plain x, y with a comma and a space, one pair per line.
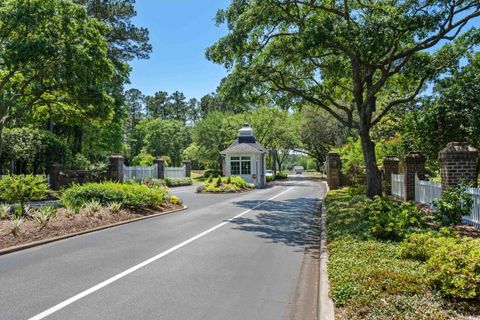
188, 168
53, 172
160, 167
334, 166
390, 166
414, 165
458, 161
115, 170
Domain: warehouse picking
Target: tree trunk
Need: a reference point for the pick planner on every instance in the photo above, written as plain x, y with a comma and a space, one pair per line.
373, 177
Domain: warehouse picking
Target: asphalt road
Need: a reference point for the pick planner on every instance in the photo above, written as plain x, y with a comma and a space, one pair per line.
232, 256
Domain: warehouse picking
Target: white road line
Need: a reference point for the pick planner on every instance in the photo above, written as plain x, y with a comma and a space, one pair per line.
105, 283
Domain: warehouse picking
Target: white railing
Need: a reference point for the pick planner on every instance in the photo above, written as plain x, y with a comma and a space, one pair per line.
474, 217
175, 172
427, 192
138, 173
398, 185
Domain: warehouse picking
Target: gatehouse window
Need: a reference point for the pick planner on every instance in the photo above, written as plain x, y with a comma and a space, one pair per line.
240, 165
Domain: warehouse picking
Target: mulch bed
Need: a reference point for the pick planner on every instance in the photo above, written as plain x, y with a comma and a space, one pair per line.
30, 231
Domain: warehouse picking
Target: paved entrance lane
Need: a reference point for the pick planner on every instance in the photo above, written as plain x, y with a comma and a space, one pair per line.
184, 276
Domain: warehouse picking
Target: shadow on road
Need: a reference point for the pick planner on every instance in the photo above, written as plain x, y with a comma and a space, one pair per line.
292, 222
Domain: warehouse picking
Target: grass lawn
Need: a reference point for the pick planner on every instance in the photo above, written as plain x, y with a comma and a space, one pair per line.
198, 178
370, 280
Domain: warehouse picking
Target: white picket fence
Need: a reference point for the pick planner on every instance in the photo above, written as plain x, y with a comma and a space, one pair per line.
175, 172
427, 192
474, 217
138, 173
398, 189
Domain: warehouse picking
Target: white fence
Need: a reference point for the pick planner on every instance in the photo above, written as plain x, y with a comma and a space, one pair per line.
398, 185
427, 192
139, 173
474, 217
175, 172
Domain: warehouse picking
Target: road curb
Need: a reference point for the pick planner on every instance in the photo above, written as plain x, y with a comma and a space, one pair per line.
71, 235
326, 310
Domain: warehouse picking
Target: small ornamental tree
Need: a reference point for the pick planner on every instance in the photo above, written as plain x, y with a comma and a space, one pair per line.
356, 60
22, 189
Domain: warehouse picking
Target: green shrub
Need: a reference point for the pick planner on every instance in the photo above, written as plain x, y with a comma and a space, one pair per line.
453, 204
214, 173
219, 182
420, 246
4, 211
390, 221
133, 196
177, 182
281, 175
45, 215
269, 178
22, 189
454, 268
81, 162
114, 207
13, 227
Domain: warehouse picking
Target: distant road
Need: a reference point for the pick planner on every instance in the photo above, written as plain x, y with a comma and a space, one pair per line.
229, 256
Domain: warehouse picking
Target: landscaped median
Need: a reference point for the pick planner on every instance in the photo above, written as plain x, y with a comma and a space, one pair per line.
225, 185
85, 207
390, 261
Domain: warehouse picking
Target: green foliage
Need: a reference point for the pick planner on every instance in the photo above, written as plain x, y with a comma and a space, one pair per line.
92, 207
279, 175
163, 137
13, 227
269, 179
376, 279
22, 189
452, 114
370, 270
114, 207
452, 262
391, 221
132, 196
81, 162
143, 159
45, 215
177, 182
226, 185
4, 211
454, 268
211, 173
453, 204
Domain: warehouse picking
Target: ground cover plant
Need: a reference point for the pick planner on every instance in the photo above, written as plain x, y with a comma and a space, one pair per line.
386, 262
225, 185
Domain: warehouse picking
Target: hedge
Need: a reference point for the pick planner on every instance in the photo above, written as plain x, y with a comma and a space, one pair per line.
133, 196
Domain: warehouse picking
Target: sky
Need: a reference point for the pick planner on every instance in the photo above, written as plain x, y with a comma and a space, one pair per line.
180, 31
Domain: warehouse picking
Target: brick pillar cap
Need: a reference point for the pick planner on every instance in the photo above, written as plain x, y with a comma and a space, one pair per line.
158, 158
116, 156
186, 161
391, 158
458, 148
414, 157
